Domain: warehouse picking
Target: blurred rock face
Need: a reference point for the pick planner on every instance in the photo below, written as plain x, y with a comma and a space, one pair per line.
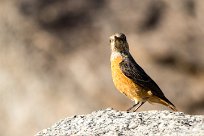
55, 56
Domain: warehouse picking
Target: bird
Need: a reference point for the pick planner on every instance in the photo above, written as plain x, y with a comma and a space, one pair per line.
130, 79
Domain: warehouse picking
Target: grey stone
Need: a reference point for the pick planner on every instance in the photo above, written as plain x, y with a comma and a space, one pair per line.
117, 123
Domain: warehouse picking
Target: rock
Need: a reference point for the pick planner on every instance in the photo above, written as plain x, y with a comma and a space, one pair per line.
112, 122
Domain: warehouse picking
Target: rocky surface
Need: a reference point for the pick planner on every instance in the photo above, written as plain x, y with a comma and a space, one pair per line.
110, 122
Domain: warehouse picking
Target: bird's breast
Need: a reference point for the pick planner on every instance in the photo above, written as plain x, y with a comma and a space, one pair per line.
123, 83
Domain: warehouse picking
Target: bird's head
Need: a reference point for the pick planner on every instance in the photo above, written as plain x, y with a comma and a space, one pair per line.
118, 42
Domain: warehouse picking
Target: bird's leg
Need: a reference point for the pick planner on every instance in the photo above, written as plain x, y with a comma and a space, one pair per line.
132, 107
138, 106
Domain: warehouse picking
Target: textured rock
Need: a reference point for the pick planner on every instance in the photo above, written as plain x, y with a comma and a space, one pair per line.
111, 122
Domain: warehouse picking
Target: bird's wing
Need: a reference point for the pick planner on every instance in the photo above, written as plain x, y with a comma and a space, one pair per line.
133, 71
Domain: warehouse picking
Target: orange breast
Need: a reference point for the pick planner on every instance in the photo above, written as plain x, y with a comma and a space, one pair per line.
123, 83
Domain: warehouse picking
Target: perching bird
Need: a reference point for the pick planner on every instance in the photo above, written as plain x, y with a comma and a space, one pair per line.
130, 79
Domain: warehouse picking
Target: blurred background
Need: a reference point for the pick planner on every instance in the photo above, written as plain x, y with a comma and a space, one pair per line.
54, 57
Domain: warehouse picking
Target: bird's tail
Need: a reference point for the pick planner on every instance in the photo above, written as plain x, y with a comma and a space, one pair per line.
163, 101
167, 103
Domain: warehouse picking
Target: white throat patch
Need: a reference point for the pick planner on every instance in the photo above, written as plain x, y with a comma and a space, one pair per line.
115, 54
